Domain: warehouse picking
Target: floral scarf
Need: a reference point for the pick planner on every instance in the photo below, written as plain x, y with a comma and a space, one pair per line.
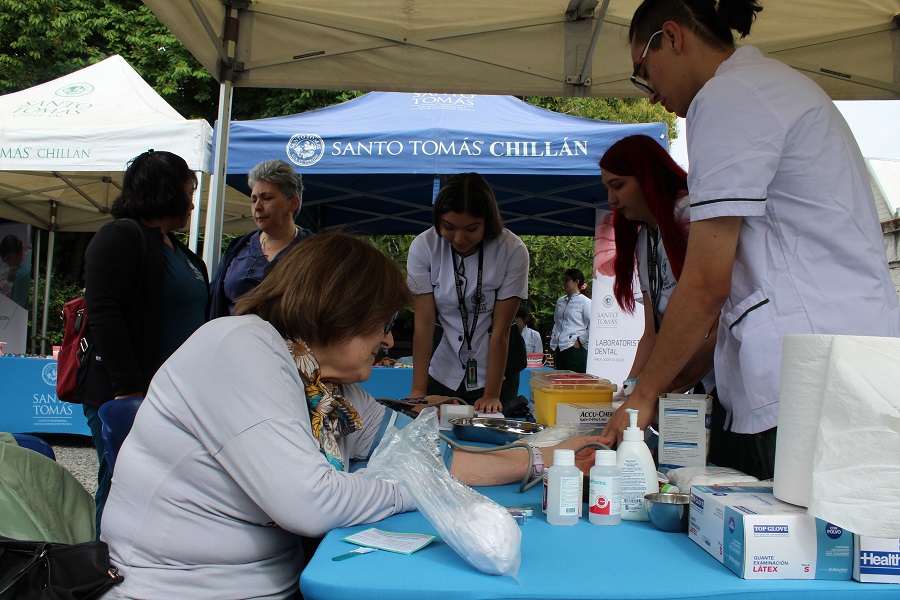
330, 414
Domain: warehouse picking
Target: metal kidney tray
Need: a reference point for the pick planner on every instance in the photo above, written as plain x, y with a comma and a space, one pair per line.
492, 431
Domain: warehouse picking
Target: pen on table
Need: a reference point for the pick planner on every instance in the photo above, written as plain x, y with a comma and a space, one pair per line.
353, 553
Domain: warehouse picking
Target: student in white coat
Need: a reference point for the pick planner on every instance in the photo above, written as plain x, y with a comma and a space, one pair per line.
469, 274
532, 339
571, 324
784, 234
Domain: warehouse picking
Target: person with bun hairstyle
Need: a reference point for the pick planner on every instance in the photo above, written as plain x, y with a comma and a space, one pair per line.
647, 192
784, 234
571, 324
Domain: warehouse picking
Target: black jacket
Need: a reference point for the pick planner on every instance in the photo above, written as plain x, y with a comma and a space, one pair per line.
124, 272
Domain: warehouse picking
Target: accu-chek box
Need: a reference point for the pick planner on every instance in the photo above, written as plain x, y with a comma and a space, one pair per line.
758, 537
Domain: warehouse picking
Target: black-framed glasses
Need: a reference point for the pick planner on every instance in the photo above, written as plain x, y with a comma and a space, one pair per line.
390, 324
639, 82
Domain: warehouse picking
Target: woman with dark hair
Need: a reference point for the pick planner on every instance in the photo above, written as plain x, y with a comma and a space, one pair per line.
250, 436
651, 219
784, 235
532, 339
145, 292
276, 192
469, 273
571, 324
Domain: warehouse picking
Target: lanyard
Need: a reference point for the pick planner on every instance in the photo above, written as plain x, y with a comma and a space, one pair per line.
476, 299
654, 274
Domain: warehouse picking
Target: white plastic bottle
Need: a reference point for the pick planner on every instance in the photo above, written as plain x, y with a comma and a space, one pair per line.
638, 471
564, 489
605, 490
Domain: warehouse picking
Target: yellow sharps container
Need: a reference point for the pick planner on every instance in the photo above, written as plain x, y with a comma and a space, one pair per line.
549, 388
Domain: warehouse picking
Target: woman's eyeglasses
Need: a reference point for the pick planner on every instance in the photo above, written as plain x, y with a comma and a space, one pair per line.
390, 324
639, 82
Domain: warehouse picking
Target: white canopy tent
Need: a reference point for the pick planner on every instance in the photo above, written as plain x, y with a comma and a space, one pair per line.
64, 145
540, 47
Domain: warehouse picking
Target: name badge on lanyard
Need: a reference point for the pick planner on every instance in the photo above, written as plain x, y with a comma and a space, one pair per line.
458, 273
471, 374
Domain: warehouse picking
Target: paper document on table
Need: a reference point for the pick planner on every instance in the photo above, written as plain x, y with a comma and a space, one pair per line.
402, 543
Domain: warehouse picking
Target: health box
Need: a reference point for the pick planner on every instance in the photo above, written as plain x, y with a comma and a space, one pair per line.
758, 537
876, 560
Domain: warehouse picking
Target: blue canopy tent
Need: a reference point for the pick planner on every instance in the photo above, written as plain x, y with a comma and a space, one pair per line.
373, 164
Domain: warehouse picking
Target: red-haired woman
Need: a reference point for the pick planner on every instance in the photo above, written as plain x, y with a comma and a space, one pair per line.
651, 218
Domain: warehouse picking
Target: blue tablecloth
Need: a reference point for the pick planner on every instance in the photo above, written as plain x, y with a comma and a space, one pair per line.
629, 561
28, 402
395, 382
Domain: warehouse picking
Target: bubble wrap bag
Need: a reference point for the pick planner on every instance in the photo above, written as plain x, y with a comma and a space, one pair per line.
477, 528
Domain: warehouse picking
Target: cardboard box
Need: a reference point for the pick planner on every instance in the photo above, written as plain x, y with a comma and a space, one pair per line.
876, 560
585, 413
684, 421
758, 537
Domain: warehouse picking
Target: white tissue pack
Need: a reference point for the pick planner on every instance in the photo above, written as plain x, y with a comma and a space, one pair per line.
758, 537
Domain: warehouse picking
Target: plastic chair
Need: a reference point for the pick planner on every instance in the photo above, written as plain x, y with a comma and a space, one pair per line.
117, 417
33, 442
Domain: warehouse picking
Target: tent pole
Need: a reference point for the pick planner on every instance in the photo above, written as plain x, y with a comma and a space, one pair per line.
51, 238
35, 273
195, 214
215, 208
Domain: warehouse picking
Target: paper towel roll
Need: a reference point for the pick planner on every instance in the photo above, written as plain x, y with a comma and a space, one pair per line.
804, 370
856, 472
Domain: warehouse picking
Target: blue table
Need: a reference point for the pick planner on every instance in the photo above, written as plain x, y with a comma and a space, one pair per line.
28, 402
629, 561
395, 382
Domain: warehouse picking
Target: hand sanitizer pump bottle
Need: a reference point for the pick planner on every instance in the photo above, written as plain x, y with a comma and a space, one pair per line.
638, 471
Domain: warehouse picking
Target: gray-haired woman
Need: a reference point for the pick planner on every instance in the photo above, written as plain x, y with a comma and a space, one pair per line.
275, 197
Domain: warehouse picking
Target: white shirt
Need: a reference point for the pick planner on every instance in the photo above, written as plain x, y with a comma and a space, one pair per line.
766, 144
221, 472
571, 322
430, 270
533, 342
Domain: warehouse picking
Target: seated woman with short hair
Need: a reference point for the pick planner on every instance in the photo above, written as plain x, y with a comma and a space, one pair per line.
247, 436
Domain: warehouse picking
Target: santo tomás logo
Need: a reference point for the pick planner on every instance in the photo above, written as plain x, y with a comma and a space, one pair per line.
48, 373
607, 301
305, 149
75, 89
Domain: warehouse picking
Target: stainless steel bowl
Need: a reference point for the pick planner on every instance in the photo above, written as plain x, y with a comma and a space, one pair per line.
492, 431
669, 512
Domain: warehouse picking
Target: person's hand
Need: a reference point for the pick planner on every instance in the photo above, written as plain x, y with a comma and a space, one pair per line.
584, 459
620, 420
488, 405
387, 361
